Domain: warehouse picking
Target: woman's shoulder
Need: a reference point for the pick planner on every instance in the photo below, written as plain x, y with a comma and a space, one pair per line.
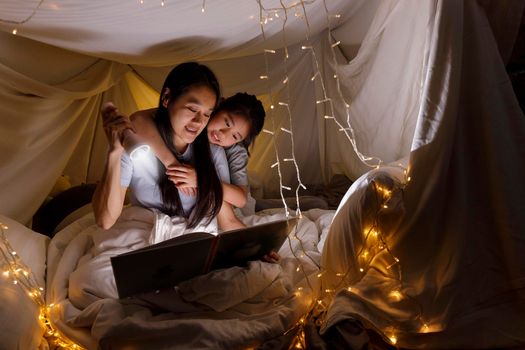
217, 152
143, 122
236, 151
142, 116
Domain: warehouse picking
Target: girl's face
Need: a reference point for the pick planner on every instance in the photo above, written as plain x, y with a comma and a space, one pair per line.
189, 114
226, 128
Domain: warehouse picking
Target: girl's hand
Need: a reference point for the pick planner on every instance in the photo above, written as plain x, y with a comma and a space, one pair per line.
114, 125
272, 257
184, 177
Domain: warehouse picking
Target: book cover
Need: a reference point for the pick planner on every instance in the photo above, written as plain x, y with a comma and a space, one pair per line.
168, 263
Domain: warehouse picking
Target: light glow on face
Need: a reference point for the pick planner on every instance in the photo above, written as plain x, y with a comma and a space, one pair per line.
189, 115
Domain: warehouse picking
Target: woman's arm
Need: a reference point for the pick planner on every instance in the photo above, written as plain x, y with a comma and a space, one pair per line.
109, 195
235, 195
235, 191
227, 220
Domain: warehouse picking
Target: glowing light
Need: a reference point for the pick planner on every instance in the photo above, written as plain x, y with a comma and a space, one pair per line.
14, 31
395, 295
140, 152
393, 339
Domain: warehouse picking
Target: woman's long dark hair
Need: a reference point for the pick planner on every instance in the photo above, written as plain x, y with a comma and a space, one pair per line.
209, 195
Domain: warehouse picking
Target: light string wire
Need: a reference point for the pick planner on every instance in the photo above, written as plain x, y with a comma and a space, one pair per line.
298, 327
25, 20
369, 251
349, 130
22, 276
272, 112
286, 82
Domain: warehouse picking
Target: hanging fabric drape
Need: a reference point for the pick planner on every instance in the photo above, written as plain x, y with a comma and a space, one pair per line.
456, 227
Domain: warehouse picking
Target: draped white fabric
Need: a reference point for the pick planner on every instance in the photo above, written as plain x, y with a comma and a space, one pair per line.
76, 54
457, 227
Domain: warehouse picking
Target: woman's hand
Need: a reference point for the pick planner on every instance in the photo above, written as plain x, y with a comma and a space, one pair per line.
272, 257
114, 125
184, 177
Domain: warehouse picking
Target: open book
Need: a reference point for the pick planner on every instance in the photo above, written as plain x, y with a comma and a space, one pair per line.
168, 263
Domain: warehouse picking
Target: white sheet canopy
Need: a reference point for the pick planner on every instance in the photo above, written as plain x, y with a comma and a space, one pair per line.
71, 56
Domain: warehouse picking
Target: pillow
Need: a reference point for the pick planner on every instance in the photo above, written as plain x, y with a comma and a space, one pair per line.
51, 213
19, 324
74, 216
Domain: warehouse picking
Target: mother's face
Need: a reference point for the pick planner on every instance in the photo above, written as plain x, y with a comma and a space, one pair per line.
189, 114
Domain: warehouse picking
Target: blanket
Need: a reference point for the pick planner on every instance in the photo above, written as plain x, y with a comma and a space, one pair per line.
231, 308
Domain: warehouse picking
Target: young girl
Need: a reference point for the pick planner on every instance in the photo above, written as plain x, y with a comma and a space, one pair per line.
188, 97
233, 125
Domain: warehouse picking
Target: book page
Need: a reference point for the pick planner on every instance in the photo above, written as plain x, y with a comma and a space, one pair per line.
237, 247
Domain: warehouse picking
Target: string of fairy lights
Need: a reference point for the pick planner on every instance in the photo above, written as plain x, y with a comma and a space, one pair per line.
375, 241
19, 23
14, 270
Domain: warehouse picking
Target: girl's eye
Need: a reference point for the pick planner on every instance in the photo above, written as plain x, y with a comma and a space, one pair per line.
227, 122
192, 109
235, 138
207, 116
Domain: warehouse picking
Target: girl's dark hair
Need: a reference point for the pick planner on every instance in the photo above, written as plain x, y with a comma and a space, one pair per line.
179, 81
249, 107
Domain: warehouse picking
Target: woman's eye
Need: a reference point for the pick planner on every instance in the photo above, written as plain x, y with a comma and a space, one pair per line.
227, 122
192, 109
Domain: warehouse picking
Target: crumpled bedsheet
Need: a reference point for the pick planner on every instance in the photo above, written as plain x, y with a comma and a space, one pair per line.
224, 309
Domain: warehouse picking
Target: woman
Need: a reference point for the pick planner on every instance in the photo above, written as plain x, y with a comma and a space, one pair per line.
234, 125
187, 99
